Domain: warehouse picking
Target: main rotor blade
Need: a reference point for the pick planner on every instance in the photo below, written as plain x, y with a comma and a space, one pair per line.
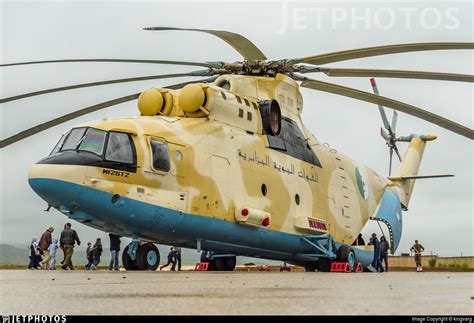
67, 117
241, 44
390, 103
131, 79
107, 60
361, 72
376, 51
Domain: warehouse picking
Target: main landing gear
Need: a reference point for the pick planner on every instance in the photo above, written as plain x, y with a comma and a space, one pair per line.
344, 254
141, 257
218, 262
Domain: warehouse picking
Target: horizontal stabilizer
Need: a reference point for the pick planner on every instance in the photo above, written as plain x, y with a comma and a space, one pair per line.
402, 178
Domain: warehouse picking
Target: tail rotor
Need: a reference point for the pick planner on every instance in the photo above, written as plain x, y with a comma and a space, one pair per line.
389, 135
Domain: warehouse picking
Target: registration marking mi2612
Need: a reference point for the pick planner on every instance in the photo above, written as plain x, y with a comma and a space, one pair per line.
115, 173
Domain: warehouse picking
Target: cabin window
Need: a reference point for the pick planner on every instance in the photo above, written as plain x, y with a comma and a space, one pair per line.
249, 116
264, 189
161, 155
93, 141
73, 138
224, 84
119, 148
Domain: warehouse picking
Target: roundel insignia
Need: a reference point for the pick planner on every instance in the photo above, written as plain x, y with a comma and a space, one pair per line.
362, 184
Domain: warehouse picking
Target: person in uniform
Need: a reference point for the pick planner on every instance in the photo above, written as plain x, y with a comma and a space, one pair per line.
384, 248
418, 249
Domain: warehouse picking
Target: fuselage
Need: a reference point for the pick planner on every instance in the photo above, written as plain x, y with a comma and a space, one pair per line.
180, 180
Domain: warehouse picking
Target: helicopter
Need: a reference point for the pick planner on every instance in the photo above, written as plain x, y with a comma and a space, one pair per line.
225, 165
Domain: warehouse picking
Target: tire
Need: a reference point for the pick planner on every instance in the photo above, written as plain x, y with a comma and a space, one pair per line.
226, 263
127, 262
212, 263
311, 266
346, 254
148, 257
324, 265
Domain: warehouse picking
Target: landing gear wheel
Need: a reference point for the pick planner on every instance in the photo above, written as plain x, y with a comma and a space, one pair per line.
311, 266
346, 254
324, 264
148, 257
226, 263
127, 262
212, 263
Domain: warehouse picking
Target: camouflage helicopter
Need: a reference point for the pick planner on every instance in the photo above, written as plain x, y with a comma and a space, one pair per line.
226, 166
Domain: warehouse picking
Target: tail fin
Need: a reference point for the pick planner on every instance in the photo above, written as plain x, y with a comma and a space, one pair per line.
405, 178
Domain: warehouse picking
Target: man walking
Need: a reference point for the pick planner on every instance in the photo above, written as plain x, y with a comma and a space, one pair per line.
45, 241
114, 250
66, 242
418, 249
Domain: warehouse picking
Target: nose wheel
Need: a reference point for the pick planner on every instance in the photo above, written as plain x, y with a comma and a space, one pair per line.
147, 257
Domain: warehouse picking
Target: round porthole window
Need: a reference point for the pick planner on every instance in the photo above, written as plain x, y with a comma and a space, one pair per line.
297, 199
264, 190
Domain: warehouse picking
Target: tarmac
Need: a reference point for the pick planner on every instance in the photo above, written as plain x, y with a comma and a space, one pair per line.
180, 293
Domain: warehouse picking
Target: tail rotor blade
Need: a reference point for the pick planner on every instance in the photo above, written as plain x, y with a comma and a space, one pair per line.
394, 121
384, 135
390, 162
381, 109
398, 153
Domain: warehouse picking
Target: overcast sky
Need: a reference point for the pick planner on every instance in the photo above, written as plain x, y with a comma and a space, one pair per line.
441, 210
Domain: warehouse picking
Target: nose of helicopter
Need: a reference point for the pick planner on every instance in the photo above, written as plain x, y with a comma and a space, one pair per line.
49, 182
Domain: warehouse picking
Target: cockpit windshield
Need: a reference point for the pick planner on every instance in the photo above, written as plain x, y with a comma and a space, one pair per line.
111, 146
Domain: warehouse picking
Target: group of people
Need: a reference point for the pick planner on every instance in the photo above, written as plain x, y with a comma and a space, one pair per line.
174, 257
43, 251
381, 248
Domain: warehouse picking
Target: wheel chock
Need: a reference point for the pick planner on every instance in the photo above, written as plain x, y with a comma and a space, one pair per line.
201, 266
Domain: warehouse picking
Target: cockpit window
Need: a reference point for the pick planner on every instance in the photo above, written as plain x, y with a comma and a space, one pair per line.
59, 145
119, 148
93, 141
161, 156
73, 138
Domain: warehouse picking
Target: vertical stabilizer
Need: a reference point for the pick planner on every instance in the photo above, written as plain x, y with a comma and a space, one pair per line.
409, 166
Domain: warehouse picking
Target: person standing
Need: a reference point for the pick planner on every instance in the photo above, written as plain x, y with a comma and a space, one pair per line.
114, 250
89, 258
35, 256
44, 243
67, 240
53, 248
177, 251
418, 249
96, 253
384, 248
376, 262
359, 241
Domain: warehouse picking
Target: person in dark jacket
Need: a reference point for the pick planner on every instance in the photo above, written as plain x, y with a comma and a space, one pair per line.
114, 250
171, 259
90, 259
66, 242
384, 248
96, 253
376, 264
35, 256
359, 241
45, 241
